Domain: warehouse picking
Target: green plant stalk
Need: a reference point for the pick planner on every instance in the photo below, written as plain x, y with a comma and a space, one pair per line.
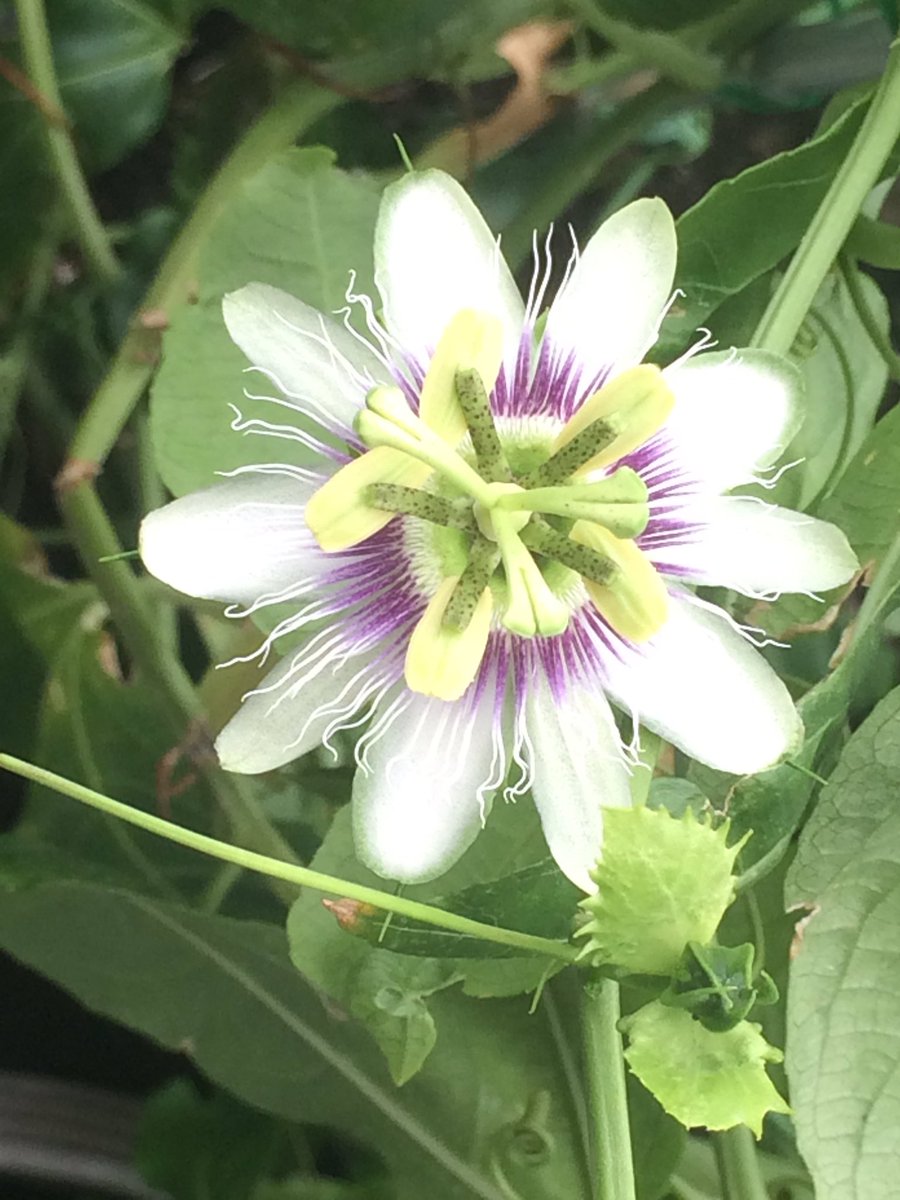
663, 51
832, 223
739, 1170
133, 616
290, 873
37, 52
298, 106
608, 1097
17, 359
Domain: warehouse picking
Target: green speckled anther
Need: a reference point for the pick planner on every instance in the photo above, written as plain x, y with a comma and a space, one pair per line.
413, 502
483, 559
476, 407
588, 563
582, 448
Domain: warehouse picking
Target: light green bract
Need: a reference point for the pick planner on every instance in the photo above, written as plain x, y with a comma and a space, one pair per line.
661, 883
714, 1080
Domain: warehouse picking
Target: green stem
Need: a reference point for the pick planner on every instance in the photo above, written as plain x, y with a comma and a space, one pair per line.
738, 1165
17, 359
605, 1065
37, 52
858, 174
665, 52
131, 370
290, 873
877, 336
134, 618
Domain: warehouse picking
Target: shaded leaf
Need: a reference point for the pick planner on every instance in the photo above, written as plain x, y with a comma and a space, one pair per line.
234, 1003
843, 1058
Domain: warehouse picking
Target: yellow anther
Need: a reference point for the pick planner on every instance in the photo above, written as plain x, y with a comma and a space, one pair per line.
442, 661
337, 513
635, 403
636, 603
472, 340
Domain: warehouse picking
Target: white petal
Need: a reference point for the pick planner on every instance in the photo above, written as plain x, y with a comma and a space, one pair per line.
701, 685
418, 808
312, 358
238, 541
735, 412
273, 727
578, 767
434, 255
609, 312
760, 549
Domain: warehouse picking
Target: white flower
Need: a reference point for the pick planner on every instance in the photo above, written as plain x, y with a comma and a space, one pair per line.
485, 576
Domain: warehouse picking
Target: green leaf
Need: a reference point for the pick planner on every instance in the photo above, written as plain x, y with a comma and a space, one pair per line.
299, 224
225, 993
390, 992
112, 59
386, 40
843, 1057
713, 1080
716, 258
867, 501
661, 883
192, 1147
94, 726
844, 384
537, 899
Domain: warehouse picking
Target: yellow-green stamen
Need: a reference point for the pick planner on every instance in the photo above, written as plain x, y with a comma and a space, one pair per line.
525, 533
636, 603
532, 606
442, 661
588, 563
483, 559
395, 499
619, 503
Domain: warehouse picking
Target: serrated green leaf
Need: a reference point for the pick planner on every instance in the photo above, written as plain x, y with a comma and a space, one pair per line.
842, 1053
661, 883
713, 1080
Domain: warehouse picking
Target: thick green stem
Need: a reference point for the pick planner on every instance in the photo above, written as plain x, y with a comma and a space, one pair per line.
831, 225
37, 52
288, 872
605, 1067
738, 1165
132, 368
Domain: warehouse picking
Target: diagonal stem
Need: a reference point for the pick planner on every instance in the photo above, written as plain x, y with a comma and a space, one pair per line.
37, 51
288, 872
